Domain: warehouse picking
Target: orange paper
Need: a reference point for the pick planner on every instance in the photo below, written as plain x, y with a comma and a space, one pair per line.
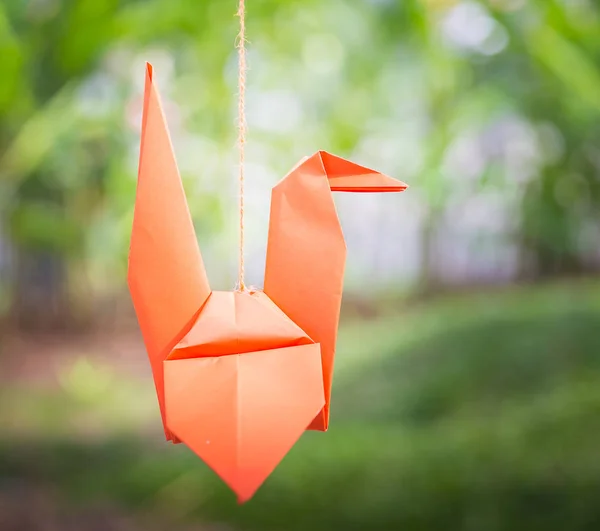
241, 375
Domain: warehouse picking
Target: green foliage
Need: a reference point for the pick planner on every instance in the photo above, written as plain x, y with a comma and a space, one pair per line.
473, 412
42, 226
362, 74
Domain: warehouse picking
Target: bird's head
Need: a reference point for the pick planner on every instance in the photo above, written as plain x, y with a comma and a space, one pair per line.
346, 176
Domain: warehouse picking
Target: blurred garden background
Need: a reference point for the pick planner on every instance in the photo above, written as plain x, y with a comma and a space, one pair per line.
467, 385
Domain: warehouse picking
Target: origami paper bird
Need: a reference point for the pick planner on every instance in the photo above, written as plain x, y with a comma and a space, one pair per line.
241, 375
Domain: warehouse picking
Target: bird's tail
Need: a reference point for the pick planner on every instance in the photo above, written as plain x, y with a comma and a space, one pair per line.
166, 274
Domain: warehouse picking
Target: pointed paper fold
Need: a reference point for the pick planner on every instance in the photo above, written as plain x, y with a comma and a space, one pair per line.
346, 176
306, 252
242, 413
235, 323
166, 276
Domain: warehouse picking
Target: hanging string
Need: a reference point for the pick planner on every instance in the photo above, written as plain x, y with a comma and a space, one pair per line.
241, 47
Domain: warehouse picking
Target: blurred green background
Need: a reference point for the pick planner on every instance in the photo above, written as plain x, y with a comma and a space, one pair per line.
467, 386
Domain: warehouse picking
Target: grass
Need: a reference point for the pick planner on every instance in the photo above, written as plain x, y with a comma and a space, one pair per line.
474, 412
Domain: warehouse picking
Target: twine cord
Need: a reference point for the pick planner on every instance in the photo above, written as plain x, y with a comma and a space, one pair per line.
241, 125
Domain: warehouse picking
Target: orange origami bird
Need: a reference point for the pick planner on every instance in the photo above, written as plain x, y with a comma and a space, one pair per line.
241, 375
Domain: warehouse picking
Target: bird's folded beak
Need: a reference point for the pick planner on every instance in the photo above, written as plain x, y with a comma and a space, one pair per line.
346, 176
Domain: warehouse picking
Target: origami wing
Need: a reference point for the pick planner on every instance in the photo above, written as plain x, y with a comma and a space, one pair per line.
166, 275
306, 251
